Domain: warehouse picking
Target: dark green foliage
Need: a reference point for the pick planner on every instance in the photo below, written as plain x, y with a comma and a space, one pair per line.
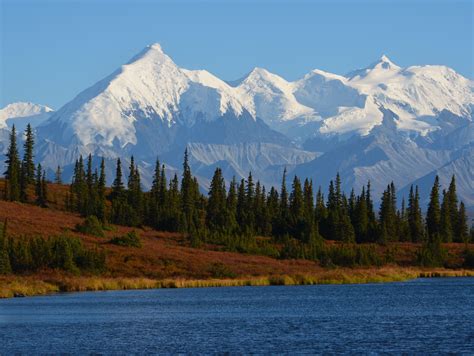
445, 219
91, 226
27, 163
388, 215
130, 239
414, 216
432, 254
246, 218
41, 188
58, 176
5, 266
468, 258
345, 255
433, 215
217, 205
13, 171
64, 253
462, 232
350, 255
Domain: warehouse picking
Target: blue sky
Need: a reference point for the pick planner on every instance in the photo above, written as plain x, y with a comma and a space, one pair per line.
51, 50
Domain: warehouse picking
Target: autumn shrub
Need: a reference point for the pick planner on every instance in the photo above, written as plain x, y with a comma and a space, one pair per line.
91, 226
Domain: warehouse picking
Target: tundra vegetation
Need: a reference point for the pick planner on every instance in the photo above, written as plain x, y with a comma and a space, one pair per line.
295, 222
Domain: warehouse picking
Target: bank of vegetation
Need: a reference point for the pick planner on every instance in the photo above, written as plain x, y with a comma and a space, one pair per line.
295, 222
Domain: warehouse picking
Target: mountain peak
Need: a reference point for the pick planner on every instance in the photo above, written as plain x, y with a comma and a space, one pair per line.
18, 110
384, 63
155, 47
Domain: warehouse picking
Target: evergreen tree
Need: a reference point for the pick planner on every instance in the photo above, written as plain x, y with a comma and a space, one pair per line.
320, 211
249, 216
445, 221
433, 215
188, 196
120, 211
452, 202
463, 230
241, 206
282, 228
404, 228
44, 189
273, 210
296, 210
117, 185
361, 218
135, 195
13, 171
40, 186
387, 214
231, 207
154, 201
101, 193
58, 176
414, 216
28, 164
216, 207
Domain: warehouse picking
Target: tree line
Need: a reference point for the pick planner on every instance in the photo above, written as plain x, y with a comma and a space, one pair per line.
243, 208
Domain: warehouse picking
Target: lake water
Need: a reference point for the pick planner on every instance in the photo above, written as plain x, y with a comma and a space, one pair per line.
420, 316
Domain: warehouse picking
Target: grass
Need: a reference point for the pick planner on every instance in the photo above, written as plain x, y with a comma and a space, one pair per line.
31, 285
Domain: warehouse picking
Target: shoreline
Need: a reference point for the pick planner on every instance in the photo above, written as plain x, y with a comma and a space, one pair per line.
29, 286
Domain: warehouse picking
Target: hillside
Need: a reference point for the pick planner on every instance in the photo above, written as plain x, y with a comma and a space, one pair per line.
168, 259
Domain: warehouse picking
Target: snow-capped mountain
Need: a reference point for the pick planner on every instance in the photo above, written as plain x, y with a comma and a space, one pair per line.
380, 123
22, 113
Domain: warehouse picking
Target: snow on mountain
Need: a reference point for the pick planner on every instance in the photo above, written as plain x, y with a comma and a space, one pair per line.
269, 97
416, 94
151, 86
22, 113
382, 123
354, 104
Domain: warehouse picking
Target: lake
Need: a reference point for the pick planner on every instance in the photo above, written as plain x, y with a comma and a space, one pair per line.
419, 316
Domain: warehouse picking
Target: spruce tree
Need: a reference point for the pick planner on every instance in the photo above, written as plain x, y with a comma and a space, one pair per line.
135, 195
433, 215
231, 207
387, 214
463, 230
58, 176
284, 211
13, 171
188, 196
452, 202
249, 221
445, 220
28, 164
296, 210
117, 185
414, 216
216, 207
101, 191
361, 220
40, 187
241, 206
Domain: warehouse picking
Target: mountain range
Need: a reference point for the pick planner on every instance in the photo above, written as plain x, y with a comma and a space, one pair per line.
379, 123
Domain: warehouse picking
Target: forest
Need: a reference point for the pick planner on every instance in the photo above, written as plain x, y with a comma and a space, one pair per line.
294, 223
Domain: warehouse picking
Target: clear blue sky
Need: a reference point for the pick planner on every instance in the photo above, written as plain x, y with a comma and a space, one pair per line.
51, 50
